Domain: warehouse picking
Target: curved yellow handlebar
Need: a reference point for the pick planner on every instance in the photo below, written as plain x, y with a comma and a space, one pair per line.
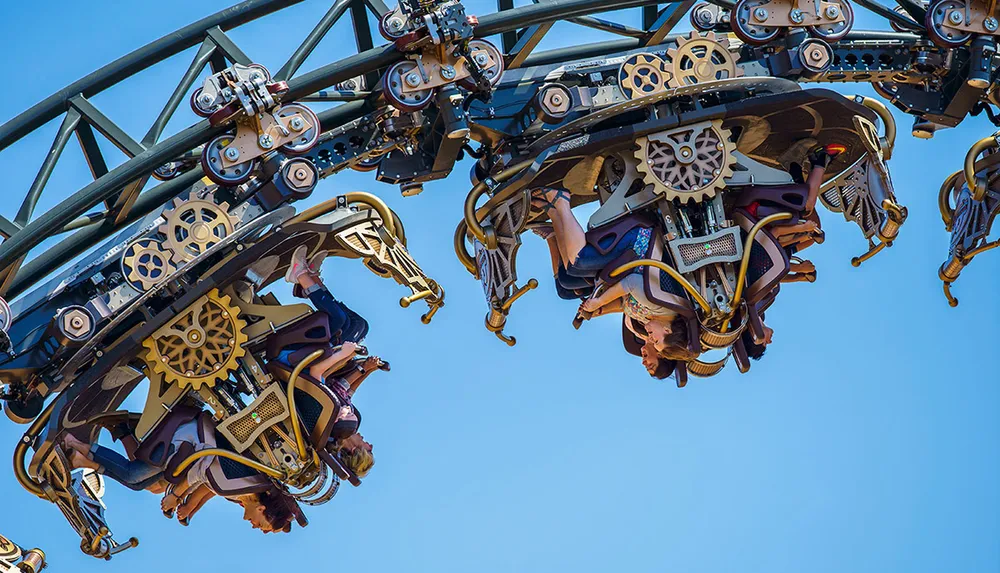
977, 185
745, 263
888, 141
21, 451
673, 274
292, 411
467, 260
485, 236
944, 200
267, 470
388, 217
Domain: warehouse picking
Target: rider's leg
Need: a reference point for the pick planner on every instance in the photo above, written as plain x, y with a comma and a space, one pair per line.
134, 475
570, 236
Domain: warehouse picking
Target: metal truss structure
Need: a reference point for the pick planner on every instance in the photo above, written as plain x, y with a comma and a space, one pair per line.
708, 139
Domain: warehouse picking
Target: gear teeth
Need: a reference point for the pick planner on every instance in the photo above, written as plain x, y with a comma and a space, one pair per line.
231, 331
687, 48
699, 194
179, 248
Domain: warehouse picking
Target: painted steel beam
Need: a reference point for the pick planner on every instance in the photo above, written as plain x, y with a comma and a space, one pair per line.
128, 65
228, 47
69, 124
312, 40
108, 128
91, 151
526, 43
668, 18
205, 52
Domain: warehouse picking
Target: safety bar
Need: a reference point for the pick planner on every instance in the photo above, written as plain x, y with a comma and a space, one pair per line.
978, 184
486, 235
670, 271
944, 200
21, 451
292, 410
745, 263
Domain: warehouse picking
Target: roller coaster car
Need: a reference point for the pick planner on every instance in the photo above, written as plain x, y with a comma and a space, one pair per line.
694, 158
968, 211
174, 299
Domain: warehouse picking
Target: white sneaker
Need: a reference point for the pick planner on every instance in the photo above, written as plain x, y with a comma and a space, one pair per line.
317, 262
299, 265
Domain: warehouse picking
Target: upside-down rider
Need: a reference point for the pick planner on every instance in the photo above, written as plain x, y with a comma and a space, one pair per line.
340, 371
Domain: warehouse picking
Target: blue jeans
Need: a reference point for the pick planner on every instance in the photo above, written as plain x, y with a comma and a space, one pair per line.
350, 325
579, 276
134, 475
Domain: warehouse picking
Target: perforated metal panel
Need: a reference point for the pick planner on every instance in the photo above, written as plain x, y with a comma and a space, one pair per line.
691, 254
267, 410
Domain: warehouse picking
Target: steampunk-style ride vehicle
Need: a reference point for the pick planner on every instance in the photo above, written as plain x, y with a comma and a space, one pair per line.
706, 136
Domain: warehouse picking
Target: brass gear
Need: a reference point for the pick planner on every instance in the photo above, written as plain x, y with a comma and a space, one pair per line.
200, 345
699, 59
145, 264
690, 162
642, 75
194, 225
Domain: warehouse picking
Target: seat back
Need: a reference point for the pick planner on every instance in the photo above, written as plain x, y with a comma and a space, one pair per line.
317, 405
768, 260
313, 329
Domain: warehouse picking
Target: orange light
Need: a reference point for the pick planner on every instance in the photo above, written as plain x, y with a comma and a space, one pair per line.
836, 148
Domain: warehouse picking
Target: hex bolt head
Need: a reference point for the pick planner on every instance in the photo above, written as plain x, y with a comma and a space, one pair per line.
265, 141
300, 174
395, 24
296, 124
760, 14
412, 79
232, 153
448, 72
955, 17
481, 59
832, 12
206, 100
796, 16
990, 24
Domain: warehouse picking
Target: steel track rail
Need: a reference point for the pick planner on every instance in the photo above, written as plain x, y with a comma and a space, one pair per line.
104, 189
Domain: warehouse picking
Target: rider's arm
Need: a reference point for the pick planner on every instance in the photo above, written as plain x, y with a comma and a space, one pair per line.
609, 295
194, 502
335, 361
610, 308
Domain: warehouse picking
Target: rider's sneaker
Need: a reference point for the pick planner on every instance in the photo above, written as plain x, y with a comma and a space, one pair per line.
316, 262
299, 265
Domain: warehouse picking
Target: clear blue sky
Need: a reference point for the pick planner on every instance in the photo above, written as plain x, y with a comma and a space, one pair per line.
866, 440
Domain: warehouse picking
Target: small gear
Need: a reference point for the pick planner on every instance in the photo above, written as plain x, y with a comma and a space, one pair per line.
145, 264
699, 59
195, 225
642, 75
199, 346
689, 162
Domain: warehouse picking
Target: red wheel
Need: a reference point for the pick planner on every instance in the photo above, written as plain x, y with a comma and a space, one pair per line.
392, 26
934, 22
211, 163
306, 137
406, 73
196, 106
837, 30
478, 48
225, 114
742, 20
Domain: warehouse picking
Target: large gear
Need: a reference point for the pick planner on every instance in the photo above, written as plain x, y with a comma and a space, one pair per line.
200, 345
145, 264
643, 74
699, 59
195, 225
690, 162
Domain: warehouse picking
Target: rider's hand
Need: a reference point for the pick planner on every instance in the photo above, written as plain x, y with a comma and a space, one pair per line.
349, 347
590, 305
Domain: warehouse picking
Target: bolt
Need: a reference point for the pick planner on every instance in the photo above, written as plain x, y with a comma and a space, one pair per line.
556, 99
448, 72
413, 79
481, 59
760, 14
832, 12
206, 100
395, 24
796, 16
255, 76
301, 174
266, 141
296, 124
990, 24
955, 17
232, 154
